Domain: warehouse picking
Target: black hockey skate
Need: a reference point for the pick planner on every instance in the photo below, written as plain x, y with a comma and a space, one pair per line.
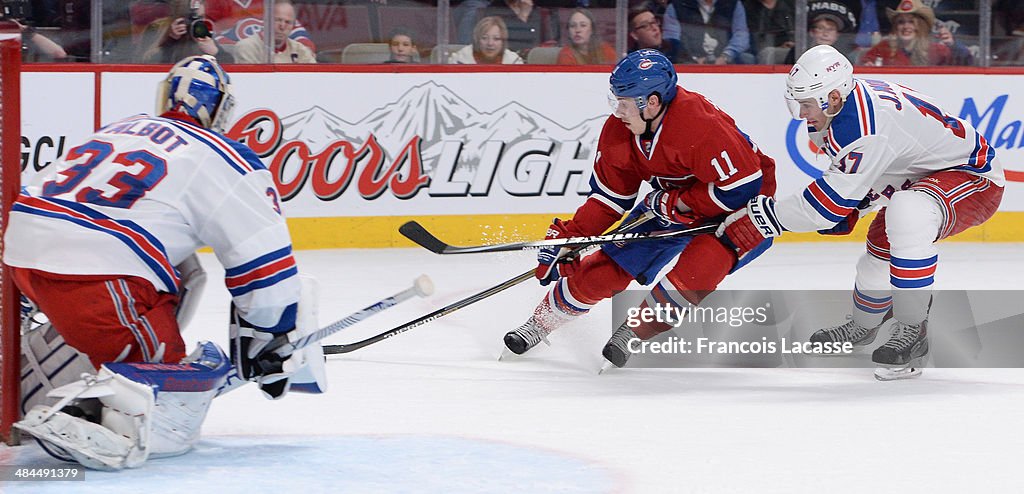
616, 351
850, 332
525, 337
903, 355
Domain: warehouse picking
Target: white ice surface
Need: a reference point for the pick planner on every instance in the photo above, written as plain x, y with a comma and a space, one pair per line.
431, 410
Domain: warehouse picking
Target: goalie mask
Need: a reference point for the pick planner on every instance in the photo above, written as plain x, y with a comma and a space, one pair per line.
199, 87
817, 73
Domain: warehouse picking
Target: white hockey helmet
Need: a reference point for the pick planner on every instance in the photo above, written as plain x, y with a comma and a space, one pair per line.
198, 87
817, 73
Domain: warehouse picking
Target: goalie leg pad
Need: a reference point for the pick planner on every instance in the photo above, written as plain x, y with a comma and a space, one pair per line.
47, 362
118, 441
148, 410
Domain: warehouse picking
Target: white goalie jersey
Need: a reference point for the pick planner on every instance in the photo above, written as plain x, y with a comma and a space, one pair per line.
141, 195
885, 138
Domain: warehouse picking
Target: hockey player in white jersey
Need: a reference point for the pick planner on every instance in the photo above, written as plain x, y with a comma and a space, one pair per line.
930, 175
105, 245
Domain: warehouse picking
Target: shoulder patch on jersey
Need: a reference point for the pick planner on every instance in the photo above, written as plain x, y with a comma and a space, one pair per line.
856, 119
248, 154
235, 154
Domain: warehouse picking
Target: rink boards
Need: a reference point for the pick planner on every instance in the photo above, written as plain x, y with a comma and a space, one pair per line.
475, 155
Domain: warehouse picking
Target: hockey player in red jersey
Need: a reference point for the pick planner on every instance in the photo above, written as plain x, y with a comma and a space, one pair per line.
701, 168
929, 174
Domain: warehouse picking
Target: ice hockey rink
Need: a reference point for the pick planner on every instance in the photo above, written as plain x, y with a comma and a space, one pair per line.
433, 410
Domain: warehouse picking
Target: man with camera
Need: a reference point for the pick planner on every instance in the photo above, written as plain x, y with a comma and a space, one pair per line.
286, 50
185, 32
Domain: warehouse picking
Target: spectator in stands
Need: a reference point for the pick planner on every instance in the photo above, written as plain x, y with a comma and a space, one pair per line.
826, 20
645, 31
910, 42
185, 32
770, 23
286, 50
403, 49
527, 25
713, 31
34, 46
1008, 20
488, 46
235, 20
585, 45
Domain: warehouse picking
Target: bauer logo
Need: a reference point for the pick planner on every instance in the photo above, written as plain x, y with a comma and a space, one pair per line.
429, 140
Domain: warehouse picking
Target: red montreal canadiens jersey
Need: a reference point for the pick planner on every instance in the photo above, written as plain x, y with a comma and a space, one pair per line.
697, 147
143, 194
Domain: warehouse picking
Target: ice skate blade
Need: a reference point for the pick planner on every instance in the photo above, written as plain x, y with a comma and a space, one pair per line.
606, 366
506, 355
896, 373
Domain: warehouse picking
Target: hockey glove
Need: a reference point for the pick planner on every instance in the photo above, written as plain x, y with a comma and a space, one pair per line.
845, 225
748, 227
258, 355
553, 262
663, 204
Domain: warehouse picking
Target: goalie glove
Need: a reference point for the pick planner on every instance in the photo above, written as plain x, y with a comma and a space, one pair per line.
747, 228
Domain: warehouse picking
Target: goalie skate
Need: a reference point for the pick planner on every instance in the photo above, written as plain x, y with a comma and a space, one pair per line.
903, 356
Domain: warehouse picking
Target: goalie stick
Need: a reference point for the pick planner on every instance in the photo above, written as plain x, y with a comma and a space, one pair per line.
415, 232
422, 287
448, 309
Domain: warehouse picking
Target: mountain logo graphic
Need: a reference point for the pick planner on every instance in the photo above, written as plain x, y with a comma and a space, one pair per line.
429, 138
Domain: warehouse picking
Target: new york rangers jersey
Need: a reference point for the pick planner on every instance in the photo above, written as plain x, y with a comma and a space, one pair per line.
144, 193
885, 138
697, 147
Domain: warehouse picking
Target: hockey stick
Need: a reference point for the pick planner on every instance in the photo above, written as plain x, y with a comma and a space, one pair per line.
422, 287
415, 232
448, 309
443, 311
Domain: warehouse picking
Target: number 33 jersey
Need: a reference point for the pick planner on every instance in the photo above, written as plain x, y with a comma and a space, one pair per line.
885, 138
144, 193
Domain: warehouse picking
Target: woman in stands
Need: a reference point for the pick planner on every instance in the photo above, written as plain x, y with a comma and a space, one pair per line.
489, 37
910, 42
585, 46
